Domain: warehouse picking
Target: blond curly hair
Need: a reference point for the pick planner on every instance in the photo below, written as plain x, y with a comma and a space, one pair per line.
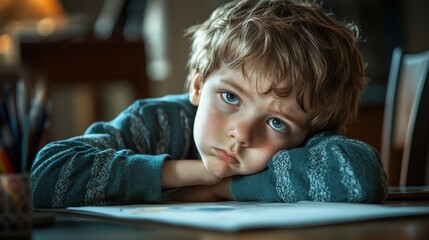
294, 41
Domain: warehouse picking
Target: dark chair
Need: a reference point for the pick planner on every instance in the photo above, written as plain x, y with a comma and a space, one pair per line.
405, 137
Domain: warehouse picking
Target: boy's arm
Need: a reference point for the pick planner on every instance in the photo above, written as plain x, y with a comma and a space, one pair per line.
117, 162
181, 173
89, 171
329, 168
75, 173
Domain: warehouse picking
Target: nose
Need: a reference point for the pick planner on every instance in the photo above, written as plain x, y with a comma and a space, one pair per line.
242, 132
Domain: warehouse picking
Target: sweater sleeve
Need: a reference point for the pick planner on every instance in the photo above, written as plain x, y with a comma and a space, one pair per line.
328, 168
117, 162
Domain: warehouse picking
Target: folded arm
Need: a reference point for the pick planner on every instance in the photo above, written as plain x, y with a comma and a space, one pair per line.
328, 168
117, 162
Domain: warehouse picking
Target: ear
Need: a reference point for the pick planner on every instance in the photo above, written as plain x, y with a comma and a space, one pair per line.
195, 88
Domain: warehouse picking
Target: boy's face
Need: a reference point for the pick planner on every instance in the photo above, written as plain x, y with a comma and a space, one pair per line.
237, 129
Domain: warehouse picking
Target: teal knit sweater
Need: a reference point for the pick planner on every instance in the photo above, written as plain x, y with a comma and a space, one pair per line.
120, 162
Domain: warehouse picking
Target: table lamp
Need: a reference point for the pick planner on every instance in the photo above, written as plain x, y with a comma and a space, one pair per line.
21, 19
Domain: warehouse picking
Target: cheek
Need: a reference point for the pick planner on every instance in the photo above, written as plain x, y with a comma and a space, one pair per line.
268, 149
272, 145
264, 155
269, 153
207, 123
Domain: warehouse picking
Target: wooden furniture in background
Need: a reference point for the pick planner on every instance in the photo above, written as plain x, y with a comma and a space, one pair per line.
405, 136
89, 61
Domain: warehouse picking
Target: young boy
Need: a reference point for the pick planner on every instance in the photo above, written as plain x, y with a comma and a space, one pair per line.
272, 84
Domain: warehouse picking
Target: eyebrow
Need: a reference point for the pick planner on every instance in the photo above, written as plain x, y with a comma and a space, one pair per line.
234, 85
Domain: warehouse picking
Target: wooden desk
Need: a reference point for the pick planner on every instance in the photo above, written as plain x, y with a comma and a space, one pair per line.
79, 227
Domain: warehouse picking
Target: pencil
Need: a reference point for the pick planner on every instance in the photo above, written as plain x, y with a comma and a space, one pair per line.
2, 164
23, 118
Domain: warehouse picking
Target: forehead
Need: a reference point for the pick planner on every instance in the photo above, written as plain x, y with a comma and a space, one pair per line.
282, 84
265, 80
260, 84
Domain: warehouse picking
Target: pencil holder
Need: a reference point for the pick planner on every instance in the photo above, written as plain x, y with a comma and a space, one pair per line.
15, 206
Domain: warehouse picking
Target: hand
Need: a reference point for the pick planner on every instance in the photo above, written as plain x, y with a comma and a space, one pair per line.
217, 192
181, 173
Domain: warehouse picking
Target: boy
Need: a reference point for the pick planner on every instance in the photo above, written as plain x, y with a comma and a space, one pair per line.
272, 84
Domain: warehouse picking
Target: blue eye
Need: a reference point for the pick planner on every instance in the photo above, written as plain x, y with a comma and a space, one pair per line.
277, 124
230, 98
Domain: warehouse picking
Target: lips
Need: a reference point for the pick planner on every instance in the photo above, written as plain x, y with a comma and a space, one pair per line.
227, 157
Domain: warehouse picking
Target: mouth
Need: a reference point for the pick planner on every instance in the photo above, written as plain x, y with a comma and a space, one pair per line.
225, 156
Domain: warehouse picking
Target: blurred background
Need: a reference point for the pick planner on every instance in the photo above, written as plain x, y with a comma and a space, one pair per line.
98, 56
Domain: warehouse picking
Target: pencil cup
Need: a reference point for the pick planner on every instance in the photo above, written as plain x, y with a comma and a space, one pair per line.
15, 206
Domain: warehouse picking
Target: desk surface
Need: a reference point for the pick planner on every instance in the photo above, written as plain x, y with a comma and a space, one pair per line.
80, 227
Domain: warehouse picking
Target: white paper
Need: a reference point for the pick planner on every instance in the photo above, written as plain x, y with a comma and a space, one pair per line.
236, 216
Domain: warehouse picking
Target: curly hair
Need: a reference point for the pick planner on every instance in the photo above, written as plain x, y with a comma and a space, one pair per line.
294, 41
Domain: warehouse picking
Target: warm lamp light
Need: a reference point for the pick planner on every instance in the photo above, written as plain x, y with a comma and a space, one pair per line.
41, 16
27, 10
26, 18
5, 43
